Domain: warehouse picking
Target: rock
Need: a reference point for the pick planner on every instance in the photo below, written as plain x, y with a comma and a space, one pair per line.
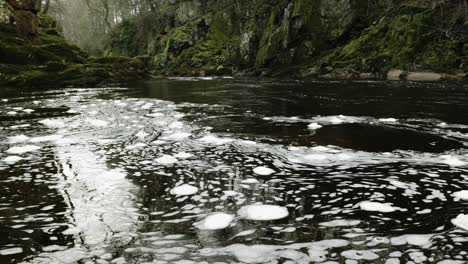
423, 76
27, 23
395, 75
6, 13
27, 5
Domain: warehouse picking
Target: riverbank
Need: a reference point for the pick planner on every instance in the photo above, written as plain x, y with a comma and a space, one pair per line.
34, 53
301, 39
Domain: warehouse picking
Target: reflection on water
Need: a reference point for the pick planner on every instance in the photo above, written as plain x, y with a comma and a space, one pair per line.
186, 171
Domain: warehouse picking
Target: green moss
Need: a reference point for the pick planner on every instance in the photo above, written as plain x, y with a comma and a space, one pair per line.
269, 41
51, 61
309, 13
123, 39
402, 42
50, 26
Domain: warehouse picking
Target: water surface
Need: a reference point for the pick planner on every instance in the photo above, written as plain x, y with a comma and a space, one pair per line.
369, 172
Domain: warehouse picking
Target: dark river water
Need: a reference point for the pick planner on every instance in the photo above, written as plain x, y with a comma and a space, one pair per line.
235, 171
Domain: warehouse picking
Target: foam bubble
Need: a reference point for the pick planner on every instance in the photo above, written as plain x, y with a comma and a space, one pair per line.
166, 160
215, 221
378, 207
314, 126
263, 212
177, 136
388, 120
53, 123
463, 195
263, 171
23, 149
18, 139
11, 251
12, 159
453, 161
183, 155
340, 222
184, 190
461, 221
210, 139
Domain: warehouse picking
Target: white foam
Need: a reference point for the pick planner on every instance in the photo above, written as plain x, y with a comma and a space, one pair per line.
28, 111
215, 221
11, 251
315, 157
388, 120
415, 240
338, 119
141, 135
463, 195
263, 171
46, 138
378, 207
155, 115
97, 122
176, 125
461, 221
321, 148
314, 126
340, 222
245, 233
184, 190
18, 139
250, 181
263, 212
166, 160
359, 254
177, 136
23, 149
183, 155
136, 146
210, 139
12, 159
11, 113
452, 161
53, 123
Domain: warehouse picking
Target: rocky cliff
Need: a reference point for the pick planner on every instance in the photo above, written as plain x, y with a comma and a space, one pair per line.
33, 53
299, 38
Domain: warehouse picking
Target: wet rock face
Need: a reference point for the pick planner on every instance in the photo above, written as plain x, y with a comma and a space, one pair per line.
27, 23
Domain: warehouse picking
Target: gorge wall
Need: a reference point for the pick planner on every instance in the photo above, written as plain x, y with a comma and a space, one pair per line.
298, 38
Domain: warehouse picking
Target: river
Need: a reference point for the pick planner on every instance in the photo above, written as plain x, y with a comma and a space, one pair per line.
201, 170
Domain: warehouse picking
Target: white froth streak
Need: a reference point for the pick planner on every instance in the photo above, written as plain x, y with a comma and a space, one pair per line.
102, 199
100, 204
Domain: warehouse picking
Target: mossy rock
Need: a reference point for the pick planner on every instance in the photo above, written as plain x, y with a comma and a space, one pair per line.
50, 26
405, 42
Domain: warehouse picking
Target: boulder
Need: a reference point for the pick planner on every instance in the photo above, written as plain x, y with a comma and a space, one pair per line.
424, 76
395, 75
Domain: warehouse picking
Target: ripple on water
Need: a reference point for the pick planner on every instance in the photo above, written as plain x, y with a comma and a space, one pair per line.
138, 180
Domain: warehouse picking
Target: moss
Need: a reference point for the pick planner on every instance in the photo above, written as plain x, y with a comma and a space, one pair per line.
50, 61
402, 42
309, 13
123, 39
268, 42
50, 26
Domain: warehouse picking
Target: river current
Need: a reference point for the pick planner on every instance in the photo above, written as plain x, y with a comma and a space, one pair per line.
201, 170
